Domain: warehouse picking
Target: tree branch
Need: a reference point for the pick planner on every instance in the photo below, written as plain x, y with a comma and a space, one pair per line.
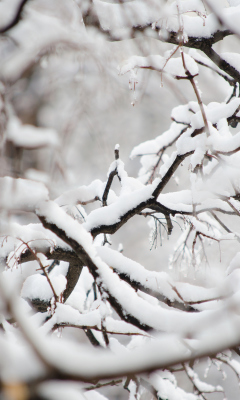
16, 18
87, 260
221, 63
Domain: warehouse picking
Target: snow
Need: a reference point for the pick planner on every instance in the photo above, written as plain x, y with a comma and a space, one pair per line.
171, 349
94, 395
223, 143
36, 175
233, 3
203, 387
157, 317
7, 11
29, 136
21, 194
147, 313
234, 264
231, 17
233, 59
181, 199
216, 111
65, 314
177, 336
157, 281
153, 146
235, 365
173, 66
118, 166
183, 114
38, 238
186, 6
115, 326
37, 287
55, 215
103, 363
115, 17
150, 150
84, 194
192, 293
39, 31
113, 213
61, 390
168, 390
194, 26
197, 56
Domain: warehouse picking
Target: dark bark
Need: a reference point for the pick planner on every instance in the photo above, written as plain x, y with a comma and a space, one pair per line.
17, 17
73, 274
221, 63
85, 259
92, 338
139, 286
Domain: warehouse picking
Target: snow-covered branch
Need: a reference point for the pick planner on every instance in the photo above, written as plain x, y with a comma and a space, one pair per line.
114, 279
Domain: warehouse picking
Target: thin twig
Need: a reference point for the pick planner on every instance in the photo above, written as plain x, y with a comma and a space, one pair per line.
42, 268
200, 103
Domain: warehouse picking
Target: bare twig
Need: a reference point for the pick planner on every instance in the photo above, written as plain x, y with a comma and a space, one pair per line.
37, 258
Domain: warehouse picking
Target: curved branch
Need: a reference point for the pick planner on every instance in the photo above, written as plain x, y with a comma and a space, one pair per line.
74, 271
85, 259
16, 18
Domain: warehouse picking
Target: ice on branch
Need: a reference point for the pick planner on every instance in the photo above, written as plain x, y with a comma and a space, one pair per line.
195, 26
117, 18
187, 6
172, 66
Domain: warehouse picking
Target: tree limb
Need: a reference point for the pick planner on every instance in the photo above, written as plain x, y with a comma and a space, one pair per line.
16, 18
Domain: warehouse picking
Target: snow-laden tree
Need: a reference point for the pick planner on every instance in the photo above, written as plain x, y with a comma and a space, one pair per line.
78, 314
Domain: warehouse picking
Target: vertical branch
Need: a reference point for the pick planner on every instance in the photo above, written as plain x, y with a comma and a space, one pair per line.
110, 178
189, 75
